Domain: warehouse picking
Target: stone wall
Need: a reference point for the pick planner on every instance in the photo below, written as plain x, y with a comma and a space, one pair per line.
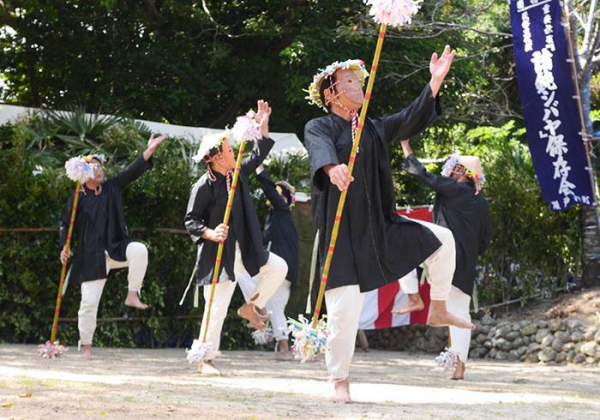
551, 341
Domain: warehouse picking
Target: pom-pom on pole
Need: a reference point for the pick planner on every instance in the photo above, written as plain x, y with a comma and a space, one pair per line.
393, 12
51, 350
243, 130
310, 340
447, 360
201, 351
385, 12
246, 128
262, 338
79, 170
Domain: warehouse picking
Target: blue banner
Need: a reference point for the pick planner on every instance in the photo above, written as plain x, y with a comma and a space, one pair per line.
550, 111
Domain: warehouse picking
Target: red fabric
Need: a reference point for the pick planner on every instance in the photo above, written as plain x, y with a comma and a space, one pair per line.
420, 317
386, 296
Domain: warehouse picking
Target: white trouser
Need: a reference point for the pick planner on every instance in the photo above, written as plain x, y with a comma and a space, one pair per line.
458, 304
91, 291
440, 264
409, 284
275, 305
344, 305
269, 278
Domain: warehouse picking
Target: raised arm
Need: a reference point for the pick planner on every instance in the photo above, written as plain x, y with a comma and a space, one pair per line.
265, 144
270, 189
140, 165
440, 184
424, 110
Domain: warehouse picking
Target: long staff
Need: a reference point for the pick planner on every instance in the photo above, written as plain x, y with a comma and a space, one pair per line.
236, 175
63, 273
340, 207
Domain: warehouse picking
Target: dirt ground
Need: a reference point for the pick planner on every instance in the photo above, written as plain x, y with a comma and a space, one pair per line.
159, 384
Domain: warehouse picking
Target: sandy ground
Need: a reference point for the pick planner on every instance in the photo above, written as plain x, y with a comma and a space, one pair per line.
159, 384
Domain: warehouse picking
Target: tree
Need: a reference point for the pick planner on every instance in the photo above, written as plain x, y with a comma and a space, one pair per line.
584, 34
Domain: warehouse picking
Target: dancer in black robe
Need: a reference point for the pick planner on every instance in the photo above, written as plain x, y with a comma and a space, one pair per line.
460, 207
102, 242
243, 252
375, 245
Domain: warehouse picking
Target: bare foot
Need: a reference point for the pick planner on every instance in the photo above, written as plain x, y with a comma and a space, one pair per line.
248, 312
415, 303
86, 351
342, 392
208, 368
134, 301
283, 351
440, 317
263, 314
459, 372
284, 356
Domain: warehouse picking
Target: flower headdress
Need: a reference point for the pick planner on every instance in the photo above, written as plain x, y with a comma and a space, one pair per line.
210, 146
314, 90
472, 165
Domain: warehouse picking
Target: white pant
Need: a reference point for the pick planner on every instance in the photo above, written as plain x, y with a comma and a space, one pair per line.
409, 284
269, 278
440, 264
458, 304
344, 305
275, 305
91, 291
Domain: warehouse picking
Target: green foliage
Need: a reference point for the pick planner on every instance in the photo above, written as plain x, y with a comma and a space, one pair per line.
203, 63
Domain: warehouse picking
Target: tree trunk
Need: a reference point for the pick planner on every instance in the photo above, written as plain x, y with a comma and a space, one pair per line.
589, 215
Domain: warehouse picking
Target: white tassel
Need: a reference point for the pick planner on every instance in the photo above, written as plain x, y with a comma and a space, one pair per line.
200, 352
309, 342
393, 12
246, 128
447, 360
78, 170
265, 337
51, 350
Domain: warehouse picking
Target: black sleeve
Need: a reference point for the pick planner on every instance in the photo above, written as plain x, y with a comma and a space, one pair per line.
321, 151
132, 172
270, 190
413, 119
200, 197
258, 155
486, 231
440, 184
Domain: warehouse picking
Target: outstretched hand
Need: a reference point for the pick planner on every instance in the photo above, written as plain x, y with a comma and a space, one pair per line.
262, 116
153, 143
439, 68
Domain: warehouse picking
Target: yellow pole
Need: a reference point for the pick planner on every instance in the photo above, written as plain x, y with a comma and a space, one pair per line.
236, 175
63, 273
340, 207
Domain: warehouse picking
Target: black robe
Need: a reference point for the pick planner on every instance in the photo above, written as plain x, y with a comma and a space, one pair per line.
100, 225
280, 232
375, 245
464, 213
206, 208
